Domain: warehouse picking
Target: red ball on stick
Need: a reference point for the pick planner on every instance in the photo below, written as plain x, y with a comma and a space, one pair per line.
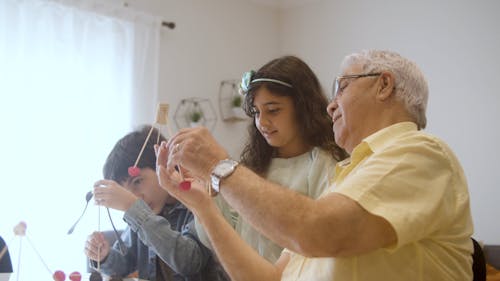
134, 171
75, 276
59, 275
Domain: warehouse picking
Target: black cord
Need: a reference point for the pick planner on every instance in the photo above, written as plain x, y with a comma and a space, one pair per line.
123, 249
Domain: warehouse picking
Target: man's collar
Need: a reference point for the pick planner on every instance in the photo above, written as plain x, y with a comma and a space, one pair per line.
378, 140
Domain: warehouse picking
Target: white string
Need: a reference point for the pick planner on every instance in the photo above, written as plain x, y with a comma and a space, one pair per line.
38, 254
19, 258
99, 247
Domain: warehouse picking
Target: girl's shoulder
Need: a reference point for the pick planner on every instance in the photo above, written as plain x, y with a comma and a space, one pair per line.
320, 154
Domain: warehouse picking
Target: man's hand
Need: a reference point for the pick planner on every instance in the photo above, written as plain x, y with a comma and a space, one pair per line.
195, 150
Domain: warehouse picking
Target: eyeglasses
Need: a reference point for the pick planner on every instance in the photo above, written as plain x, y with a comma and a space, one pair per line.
337, 90
247, 79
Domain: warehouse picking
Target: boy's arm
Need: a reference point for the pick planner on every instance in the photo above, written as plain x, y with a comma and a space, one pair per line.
181, 251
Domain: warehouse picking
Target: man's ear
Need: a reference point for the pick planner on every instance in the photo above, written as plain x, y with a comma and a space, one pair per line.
387, 85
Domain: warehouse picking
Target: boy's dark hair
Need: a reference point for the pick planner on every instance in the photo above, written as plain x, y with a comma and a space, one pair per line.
125, 152
310, 109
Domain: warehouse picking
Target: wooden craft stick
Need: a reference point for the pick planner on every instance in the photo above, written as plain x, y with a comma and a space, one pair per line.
162, 119
143, 146
4, 250
162, 114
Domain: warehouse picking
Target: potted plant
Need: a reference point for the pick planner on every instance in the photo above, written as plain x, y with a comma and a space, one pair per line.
236, 102
195, 117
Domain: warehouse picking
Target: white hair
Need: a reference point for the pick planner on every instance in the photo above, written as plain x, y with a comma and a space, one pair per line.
410, 84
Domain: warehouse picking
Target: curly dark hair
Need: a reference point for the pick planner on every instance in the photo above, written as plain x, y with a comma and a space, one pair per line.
310, 111
126, 150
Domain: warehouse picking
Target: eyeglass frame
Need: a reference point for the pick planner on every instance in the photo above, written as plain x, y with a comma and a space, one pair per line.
336, 86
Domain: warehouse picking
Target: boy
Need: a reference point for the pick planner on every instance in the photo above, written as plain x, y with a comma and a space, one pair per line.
160, 238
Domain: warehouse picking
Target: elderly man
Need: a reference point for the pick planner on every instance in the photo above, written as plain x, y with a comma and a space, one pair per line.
398, 208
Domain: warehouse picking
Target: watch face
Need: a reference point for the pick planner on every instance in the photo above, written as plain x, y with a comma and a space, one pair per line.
224, 168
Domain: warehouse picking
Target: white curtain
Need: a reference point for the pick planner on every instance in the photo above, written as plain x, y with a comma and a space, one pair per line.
75, 76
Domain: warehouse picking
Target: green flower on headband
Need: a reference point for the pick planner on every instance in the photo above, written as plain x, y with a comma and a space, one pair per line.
245, 81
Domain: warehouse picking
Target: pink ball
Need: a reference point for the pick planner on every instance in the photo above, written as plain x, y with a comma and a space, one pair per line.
134, 171
59, 275
75, 276
20, 229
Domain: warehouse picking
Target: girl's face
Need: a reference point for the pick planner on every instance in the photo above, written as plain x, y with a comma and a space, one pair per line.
275, 119
147, 187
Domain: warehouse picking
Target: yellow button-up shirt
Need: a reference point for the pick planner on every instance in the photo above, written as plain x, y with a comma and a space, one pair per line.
415, 182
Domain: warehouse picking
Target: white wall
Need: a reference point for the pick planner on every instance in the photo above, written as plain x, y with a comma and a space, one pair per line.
213, 41
456, 44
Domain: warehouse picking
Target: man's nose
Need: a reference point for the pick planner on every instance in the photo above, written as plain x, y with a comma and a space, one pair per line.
332, 106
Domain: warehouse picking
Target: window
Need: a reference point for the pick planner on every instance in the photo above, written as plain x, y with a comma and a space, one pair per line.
69, 83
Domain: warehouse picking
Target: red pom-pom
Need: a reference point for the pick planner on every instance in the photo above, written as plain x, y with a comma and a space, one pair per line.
185, 185
133, 171
59, 275
75, 276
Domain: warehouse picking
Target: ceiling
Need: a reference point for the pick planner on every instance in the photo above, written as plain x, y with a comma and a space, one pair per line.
283, 4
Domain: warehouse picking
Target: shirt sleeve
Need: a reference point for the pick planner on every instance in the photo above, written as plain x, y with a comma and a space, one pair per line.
5, 262
116, 263
180, 250
410, 184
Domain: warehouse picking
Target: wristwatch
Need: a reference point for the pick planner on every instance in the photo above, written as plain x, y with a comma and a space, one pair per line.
222, 170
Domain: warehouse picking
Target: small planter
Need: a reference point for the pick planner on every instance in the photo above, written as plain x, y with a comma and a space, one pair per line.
195, 124
195, 119
236, 102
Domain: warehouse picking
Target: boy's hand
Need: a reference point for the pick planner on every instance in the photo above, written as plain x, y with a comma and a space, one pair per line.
110, 194
97, 247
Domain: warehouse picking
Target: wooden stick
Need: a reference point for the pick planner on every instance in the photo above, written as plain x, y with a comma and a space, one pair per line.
143, 146
158, 136
4, 250
162, 119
